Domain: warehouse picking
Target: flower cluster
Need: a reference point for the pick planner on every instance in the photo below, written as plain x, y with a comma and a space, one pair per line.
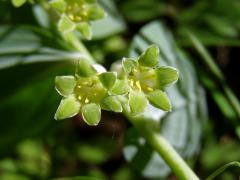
77, 14
140, 81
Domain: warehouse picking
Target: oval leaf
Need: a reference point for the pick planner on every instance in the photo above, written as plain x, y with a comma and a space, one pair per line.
91, 114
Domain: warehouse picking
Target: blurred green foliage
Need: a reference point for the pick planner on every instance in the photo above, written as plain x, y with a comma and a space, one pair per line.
33, 52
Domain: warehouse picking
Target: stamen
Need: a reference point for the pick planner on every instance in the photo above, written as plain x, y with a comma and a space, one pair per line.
131, 83
86, 100
138, 85
149, 89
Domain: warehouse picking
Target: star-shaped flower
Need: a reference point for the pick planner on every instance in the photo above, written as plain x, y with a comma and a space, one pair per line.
147, 81
86, 92
77, 14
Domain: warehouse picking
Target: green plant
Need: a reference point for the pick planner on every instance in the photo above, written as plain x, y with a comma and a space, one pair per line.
167, 123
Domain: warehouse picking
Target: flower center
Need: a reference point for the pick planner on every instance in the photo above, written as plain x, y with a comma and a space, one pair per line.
142, 79
76, 10
90, 90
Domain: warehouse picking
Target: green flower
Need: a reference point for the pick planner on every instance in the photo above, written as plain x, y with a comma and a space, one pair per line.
86, 92
77, 14
147, 82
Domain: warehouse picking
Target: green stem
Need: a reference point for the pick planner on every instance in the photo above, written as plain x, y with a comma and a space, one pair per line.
164, 149
71, 38
221, 169
232, 99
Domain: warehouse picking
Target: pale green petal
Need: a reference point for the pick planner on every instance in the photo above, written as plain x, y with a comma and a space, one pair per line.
18, 3
120, 87
166, 76
91, 114
59, 5
160, 100
150, 57
129, 64
95, 12
65, 24
65, 85
85, 30
68, 107
108, 79
137, 102
112, 103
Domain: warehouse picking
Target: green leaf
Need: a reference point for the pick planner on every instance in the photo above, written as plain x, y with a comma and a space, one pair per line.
65, 24
59, 5
65, 85
160, 100
120, 87
108, 79
91, 114
84, 69
137, 102
112, 103
221, 26
166, 75
222, 169
68, 107
129, 64
18, 3
85, 30
41, 16
111, 25
95, 12
150, 57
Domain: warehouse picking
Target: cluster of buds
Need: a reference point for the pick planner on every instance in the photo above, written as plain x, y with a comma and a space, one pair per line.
77, 14
140, 81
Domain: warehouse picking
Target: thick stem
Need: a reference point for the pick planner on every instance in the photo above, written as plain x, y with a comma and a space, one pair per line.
164, 149
71, 38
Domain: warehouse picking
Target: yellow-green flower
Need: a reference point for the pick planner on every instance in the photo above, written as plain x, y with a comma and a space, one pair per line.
77, 14
147, 81
86, 93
